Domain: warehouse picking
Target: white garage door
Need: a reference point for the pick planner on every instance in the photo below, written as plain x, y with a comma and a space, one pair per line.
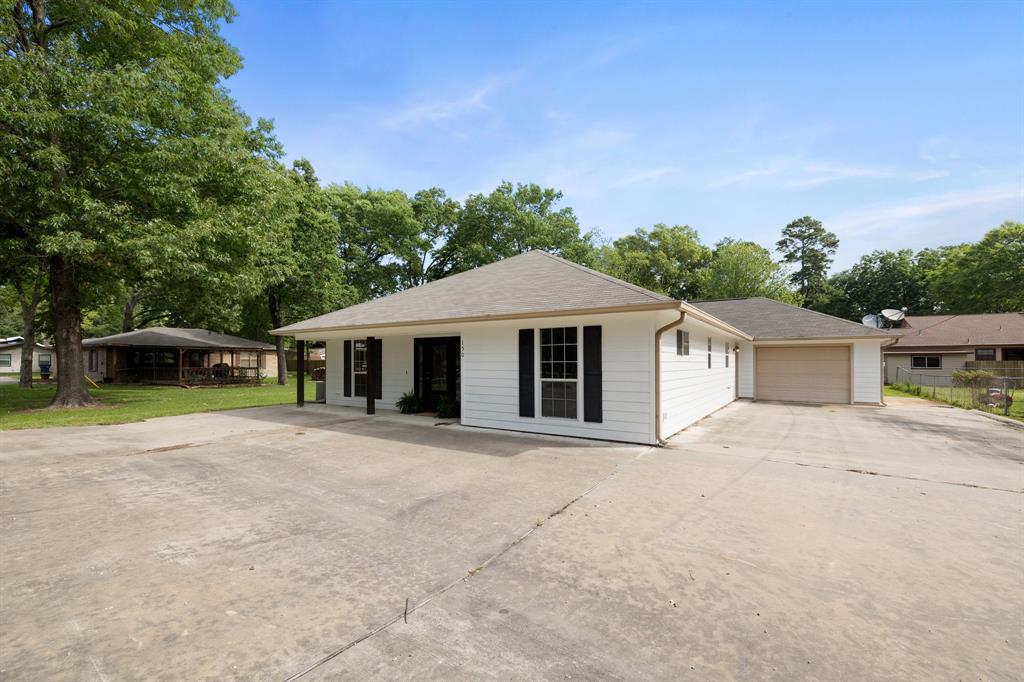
803, 374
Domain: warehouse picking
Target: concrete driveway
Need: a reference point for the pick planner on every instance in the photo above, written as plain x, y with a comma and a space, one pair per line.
768, 542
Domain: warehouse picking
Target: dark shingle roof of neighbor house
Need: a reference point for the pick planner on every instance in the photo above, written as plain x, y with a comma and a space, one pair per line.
765, 319
994, 329
173, 337
533, 282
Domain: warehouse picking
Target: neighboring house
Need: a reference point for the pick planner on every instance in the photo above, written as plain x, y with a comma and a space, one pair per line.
10, 356
177, 356
940, 344
536, 343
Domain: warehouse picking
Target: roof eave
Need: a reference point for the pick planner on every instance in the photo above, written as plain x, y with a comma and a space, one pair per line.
710, 319
294, 329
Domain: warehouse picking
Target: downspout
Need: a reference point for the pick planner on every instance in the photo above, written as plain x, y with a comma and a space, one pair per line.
657, 375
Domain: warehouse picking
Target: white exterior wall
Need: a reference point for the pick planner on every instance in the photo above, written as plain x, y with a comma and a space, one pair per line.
866, 375
867, 371
396, 378
15, 353
490, 377
746, 364
689, 390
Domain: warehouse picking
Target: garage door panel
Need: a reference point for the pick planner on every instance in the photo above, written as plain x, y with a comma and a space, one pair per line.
803, 374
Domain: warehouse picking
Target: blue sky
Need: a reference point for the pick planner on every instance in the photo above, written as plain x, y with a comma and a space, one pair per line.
898, 125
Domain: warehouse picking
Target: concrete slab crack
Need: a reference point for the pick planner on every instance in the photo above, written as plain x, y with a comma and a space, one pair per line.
866, 472
411, 607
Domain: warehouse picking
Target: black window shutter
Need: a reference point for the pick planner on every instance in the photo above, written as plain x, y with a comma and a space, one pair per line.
348, 369
592, 410
526, 373
378, 366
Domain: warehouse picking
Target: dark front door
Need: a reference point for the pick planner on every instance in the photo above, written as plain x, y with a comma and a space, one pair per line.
436, 370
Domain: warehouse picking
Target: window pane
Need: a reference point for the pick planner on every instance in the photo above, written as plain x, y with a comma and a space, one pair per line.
570, 334
545, 336
558, 335
935, 361
546, 390
570, 353
686, 343
545, 353
570, 370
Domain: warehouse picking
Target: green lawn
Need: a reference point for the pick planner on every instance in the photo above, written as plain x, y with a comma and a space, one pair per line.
959, 397
23, 409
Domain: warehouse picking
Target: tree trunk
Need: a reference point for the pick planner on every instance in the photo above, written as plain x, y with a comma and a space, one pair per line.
29, 304
274, 306
28, 332
67, 333
128, 315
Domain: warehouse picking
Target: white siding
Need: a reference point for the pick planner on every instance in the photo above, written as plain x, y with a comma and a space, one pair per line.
867, 372
689, 389
15, 366
746, 363
490, 378
396, 378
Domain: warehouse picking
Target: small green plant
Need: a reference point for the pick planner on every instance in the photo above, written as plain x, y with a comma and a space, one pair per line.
409, 403
447, 408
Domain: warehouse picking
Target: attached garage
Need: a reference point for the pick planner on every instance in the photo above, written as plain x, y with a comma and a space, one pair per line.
811, 374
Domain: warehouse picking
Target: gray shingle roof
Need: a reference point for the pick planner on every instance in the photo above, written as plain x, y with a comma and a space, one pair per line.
533, 282
766, 319
993, 329
173, 337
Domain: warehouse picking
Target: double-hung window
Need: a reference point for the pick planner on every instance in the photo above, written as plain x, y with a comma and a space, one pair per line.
359, 368
5, 359
709, 352
558, 372
682, 342
726, 353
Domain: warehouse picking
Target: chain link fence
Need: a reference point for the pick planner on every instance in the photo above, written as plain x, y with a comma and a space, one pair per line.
975, 389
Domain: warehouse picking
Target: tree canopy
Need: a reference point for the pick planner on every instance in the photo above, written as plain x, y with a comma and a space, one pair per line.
808, 246
740, 269
664, 259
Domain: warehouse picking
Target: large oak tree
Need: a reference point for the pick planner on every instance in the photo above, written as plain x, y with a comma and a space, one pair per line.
123, 155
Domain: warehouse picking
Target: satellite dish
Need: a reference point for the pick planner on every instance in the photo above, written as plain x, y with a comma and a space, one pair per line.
870, 321
893, 315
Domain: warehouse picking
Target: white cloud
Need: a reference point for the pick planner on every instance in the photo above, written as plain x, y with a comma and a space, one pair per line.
442, 110
895, 215
821, 173
645, 176
740, 178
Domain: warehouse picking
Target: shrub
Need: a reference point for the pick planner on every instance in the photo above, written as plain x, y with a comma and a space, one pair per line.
972, 378
447, 408
409, 403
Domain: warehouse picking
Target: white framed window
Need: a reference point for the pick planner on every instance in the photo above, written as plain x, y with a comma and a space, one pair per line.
682, 342
359, 368
926, 361
709, 352
985, 354
726, 353
5, 359
44, 359
559, 372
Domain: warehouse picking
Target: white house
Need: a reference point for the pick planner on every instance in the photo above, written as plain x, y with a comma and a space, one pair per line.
10, 356
537, 343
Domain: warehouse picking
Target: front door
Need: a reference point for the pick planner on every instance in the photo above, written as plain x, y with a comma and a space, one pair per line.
436, 370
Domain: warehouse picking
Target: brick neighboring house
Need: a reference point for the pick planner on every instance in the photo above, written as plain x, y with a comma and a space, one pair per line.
941, 344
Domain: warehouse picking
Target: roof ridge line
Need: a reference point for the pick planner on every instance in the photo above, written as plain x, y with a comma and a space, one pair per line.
628, 285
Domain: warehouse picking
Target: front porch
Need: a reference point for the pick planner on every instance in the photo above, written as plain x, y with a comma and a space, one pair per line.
396, 371
185, 366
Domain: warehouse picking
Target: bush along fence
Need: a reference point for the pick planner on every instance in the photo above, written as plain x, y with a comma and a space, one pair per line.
971, 388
